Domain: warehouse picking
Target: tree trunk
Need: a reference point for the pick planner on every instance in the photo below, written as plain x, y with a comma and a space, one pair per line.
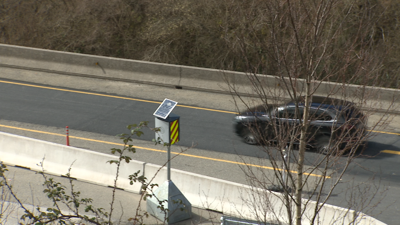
302, 151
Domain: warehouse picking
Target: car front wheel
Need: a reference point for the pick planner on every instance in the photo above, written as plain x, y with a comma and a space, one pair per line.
249, 137
323, 145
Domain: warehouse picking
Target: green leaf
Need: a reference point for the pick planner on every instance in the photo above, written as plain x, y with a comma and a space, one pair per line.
126, 158
113, 161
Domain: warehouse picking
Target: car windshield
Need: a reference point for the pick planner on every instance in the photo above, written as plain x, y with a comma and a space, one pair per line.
345, 109
259, 110
289, 112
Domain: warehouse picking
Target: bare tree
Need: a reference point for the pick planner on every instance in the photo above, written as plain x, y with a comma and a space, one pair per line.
320, 52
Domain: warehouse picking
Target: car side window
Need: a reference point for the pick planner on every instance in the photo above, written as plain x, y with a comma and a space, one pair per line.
289, 113
319, 115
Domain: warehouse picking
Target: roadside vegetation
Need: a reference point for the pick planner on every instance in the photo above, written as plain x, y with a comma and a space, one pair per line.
202, 33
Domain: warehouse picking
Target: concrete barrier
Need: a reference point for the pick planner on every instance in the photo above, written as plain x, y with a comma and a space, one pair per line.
41, 61
73, 64
247, 202
204, 192
58, 159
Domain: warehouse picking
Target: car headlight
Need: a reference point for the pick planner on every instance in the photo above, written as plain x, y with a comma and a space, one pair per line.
239, 118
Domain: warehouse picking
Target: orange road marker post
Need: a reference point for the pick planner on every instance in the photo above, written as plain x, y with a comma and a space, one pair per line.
67, 135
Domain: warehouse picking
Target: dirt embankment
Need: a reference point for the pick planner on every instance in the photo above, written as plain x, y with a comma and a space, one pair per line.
203, 33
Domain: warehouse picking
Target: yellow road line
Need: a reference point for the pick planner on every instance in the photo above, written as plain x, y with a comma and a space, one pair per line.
111, 96
384, 132
246, 164
391, 152
36, 131
156, 150
140, 100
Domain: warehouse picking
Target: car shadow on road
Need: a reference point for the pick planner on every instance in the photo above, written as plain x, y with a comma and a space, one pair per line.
376, 150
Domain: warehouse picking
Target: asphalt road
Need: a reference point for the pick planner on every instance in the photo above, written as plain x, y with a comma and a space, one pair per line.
209, 128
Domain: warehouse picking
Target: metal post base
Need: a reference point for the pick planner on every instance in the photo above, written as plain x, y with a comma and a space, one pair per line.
178, 207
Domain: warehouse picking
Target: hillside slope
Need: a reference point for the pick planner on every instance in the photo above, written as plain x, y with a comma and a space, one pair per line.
201, 33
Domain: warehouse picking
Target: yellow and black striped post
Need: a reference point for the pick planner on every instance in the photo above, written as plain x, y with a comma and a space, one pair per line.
174, 132
169, 129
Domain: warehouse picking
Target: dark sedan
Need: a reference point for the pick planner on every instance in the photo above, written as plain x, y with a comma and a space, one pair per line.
333, 124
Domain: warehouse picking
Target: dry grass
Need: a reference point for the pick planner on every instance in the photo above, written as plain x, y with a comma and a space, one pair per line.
200, 33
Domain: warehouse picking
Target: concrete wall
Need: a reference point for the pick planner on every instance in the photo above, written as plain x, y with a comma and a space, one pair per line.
47, 61
204, 192
57, 159
41, 61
